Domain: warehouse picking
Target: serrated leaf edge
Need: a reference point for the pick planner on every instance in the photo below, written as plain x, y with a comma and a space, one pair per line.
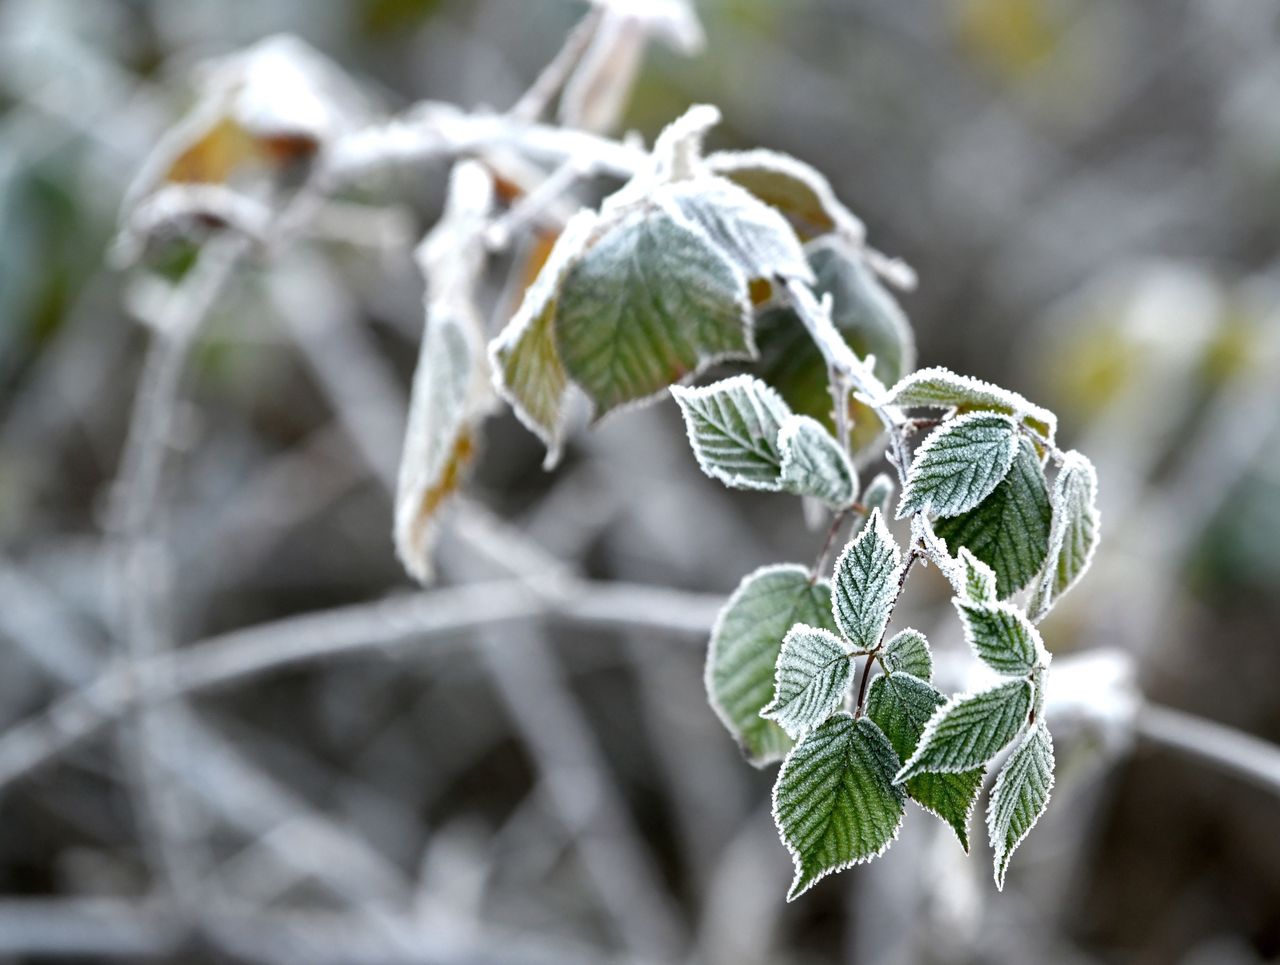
1043, 657
1043, 596
1022, 407
931, 442
905, 774
769, 710
685, 393
998, 872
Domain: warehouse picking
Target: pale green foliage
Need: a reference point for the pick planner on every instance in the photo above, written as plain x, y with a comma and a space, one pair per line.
977, 581
648, 303
959, 464
908, 651
744, 650
864, 585
813, 464
1074, 534
968, 731
812, 674
1020, 795
939, 388
835, 801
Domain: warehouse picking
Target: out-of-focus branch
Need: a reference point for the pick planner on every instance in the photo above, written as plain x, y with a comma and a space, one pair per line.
1226, 748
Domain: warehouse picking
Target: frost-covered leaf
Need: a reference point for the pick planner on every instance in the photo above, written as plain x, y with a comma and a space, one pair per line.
813, 464
901, 705
812, 675
451, 384
907, 651
1073, 535
649, 303
864, 313
866, 584
527, 371
834, 802
969, 730
959, 464
1009, 530
799, 191
1001, 636
1020, 796
745, 643
939, 388
753, 235
733, 427
879, 493
977, 581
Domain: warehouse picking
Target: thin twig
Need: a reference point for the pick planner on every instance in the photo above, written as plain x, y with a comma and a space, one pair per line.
533, 103
1231, 750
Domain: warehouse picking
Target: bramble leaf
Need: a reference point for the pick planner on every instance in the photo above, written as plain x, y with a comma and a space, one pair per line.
794, 188
813, 464
969, 730
812, 675
1009, 530
1002, 637
733, 428
908, 652
879, 493
959, 464
901, 704
940, 388
1020, 796
834, 802
527, 370
649, 303
865, 584
1073, 535
751, 234
977, 580
745, 643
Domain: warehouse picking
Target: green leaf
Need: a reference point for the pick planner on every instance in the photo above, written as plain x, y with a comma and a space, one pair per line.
652, 301
977, 581
812, 675
834, 802
866, 584
1073, 536
1002, 637
959, 464
1009, 530
753, 235
527, 371
879, 493
813, 464
901, 705
1020, 796
940, 388
733, 427
745, 643
969, 730
908, 652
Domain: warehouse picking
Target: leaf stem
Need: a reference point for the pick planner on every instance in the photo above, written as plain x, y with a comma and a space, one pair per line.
824, 554
912, 556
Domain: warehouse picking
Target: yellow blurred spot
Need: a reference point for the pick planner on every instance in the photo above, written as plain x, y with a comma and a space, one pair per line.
1012, 36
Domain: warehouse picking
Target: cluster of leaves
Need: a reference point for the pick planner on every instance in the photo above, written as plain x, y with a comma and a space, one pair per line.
750, 257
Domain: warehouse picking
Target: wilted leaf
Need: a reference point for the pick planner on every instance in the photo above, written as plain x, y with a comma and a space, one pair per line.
527, 371
834, 802
797, 190
744, 650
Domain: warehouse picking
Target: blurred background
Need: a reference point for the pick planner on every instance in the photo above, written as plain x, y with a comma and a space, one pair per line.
1090, 193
